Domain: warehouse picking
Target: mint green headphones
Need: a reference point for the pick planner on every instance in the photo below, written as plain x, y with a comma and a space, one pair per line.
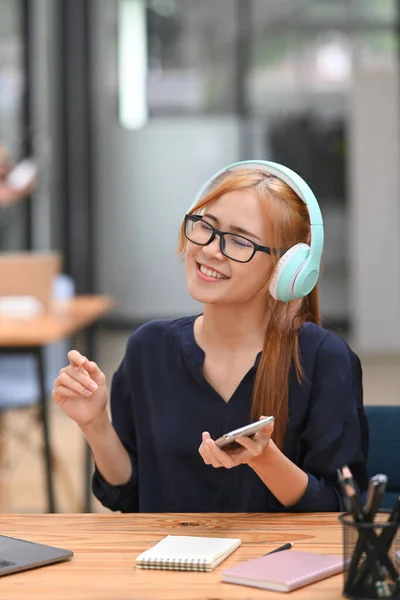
297, 271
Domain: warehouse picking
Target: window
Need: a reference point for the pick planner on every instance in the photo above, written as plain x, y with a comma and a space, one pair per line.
12, 219
191, 57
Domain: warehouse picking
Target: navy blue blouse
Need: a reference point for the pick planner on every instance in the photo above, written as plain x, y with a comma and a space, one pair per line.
161, 403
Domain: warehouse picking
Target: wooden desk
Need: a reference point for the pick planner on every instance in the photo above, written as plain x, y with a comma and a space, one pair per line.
105, 547
65, 319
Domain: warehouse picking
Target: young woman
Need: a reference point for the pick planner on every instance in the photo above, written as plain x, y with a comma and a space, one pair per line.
252, 258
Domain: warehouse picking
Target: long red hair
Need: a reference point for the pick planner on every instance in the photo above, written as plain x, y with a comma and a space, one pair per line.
287, 223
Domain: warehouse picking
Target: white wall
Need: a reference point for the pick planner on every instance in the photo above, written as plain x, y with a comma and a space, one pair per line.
141, 198
375, 209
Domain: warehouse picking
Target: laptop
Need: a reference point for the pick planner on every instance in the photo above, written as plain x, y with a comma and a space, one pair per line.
20, 555
29, 274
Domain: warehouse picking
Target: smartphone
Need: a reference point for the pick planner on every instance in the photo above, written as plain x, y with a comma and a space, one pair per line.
228, 439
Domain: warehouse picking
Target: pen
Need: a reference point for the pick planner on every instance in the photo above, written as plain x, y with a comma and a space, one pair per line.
395, 514
351, 493
376, 490
284, 547
346, 499
373, 484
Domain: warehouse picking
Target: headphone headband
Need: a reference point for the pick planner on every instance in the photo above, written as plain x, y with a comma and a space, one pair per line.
295, 182
298, 270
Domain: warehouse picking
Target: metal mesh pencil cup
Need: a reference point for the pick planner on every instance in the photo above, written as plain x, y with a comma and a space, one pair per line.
371, 553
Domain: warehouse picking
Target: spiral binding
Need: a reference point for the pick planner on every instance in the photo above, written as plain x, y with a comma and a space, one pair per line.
183, 564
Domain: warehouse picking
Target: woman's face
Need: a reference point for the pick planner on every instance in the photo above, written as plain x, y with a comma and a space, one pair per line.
212, 277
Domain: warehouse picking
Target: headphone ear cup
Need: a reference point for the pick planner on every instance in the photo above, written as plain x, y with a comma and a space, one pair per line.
305, 281
288, 267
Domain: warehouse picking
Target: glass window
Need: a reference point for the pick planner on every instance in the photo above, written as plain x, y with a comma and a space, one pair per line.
376, 11
12, 218
304, 61
11, 75
377, 49
191, 50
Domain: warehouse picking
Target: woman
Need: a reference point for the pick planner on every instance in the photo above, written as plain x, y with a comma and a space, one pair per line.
257, 349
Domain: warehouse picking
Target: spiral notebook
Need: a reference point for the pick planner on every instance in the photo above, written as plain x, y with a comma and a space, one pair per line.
187, 553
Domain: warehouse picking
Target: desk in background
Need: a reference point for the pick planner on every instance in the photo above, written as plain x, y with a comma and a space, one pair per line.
66, 319
106, 545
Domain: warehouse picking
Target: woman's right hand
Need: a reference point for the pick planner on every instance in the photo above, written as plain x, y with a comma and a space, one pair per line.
81, 390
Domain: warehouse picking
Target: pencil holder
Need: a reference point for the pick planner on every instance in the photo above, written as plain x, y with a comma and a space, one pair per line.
371, 565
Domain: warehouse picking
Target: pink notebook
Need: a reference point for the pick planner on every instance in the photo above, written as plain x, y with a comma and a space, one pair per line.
284, 571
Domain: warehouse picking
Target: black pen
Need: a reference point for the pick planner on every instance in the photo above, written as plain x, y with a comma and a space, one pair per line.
346, 499
372, 504
395, 514
351, 492
284, 547
376, 490
360, 542
371, 492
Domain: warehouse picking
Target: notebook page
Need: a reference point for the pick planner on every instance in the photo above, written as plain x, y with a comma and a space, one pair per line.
177, 548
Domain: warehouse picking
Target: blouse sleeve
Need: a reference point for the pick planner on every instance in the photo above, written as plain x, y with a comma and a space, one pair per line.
336, 433
120, 497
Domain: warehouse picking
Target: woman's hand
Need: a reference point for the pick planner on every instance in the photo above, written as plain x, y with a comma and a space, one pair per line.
81, 391
252, 448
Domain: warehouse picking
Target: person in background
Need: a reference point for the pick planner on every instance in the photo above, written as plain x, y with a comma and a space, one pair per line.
252, 245
9, 193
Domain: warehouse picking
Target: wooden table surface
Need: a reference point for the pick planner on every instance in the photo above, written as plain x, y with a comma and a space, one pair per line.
66, 318
105, 547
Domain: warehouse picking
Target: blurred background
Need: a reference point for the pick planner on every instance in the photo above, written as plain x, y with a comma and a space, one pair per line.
127, 106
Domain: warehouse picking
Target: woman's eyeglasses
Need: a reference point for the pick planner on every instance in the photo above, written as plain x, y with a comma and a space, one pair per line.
233, 246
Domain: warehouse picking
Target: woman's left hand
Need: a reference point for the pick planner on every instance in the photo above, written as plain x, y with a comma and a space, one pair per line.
252, 448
